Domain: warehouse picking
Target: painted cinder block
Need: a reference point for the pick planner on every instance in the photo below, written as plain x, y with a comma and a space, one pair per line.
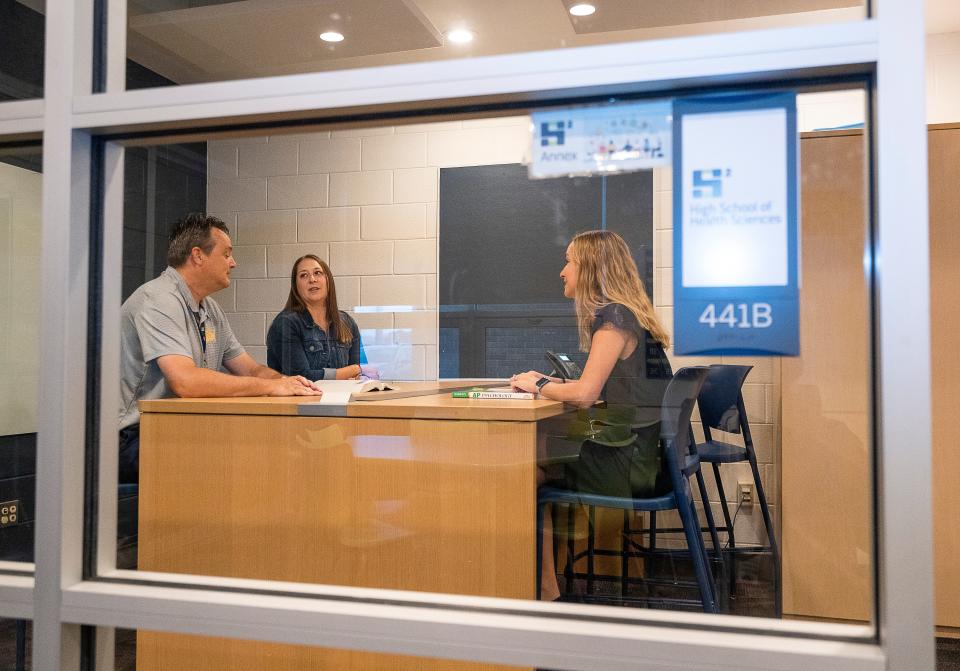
267, 160
249, 327
393, 222
297, 191
361, 188
227, 298
221, 159
261, 295
372, 257
280, 258
393, 290
415, 256
251, 261
328, 224
236, 195
388, 152
337, 154
663, 249
348, 291
266, 227
478, 146
416, 185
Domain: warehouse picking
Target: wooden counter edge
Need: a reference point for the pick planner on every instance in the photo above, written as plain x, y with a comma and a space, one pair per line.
433, 406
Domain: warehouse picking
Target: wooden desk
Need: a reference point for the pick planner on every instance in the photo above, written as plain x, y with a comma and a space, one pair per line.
429, 493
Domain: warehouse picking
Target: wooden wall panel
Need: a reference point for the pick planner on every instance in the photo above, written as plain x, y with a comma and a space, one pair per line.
944, 156
825, 394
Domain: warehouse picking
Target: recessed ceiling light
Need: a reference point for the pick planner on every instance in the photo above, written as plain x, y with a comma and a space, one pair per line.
582, 9
331, 36
460, 36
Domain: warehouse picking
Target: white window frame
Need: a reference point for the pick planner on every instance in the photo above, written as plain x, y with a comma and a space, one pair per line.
535, 634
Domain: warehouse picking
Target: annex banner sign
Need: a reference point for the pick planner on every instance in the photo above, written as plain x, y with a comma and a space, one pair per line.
600, 140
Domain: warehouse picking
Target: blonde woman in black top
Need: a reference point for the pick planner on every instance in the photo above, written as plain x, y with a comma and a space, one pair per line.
627, 368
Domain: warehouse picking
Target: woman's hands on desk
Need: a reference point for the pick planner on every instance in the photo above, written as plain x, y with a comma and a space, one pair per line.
528, 381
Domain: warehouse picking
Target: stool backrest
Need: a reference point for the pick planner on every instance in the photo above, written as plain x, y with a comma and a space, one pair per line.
720, 402
675, 433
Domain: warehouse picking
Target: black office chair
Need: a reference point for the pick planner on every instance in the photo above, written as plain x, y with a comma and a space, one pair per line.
722, 409
682, 462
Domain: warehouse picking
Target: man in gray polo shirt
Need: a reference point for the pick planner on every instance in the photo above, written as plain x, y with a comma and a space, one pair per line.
174, 338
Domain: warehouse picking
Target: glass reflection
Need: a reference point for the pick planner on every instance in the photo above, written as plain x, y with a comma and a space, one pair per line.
458, 271
16, 638
188, 41
20, 184
21, 49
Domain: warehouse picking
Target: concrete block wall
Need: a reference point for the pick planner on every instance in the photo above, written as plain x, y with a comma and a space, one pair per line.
364, 200
761, 392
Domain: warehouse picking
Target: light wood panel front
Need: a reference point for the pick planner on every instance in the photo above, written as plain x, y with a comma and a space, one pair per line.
827, 562
944, 155
429, 505
826, 463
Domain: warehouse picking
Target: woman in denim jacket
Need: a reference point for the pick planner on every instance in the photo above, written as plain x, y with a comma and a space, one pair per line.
311, 337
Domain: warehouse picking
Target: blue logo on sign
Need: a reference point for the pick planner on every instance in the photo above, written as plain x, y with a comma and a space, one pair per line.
553, 133
708, 183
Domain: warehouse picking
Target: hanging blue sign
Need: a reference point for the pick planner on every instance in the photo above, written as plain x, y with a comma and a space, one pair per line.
735, 231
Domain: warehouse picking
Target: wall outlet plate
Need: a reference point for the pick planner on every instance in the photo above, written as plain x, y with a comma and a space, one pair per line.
745, 493
9, 513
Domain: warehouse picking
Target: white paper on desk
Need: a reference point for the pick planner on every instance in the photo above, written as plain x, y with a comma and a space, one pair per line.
338, 392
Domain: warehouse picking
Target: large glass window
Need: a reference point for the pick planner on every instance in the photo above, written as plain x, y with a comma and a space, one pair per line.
173, 42
451, 269
21, 49
20, 185
15, 643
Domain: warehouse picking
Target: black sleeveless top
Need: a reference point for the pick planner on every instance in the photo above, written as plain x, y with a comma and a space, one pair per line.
640, 380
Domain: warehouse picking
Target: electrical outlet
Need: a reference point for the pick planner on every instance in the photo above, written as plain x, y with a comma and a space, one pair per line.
745, 493
9, 513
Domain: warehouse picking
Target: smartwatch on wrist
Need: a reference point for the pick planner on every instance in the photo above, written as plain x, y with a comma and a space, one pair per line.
542, 382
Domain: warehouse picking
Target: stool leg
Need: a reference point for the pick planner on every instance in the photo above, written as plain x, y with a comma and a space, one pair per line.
653, 543
714, 536
571, 530
723, 506
591, 545
708, 513
731, 540
21, 654
625, 555
540, 508
771, 535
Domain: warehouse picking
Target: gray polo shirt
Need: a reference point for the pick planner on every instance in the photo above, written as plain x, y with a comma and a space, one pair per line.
158, 319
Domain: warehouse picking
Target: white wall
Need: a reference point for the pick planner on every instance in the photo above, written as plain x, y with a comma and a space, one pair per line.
365, 201
19, 298
943, 78
829, 110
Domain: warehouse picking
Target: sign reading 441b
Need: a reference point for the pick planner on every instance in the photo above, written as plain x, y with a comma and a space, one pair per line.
736, 270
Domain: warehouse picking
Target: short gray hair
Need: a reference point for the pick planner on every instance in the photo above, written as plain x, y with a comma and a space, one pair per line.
193, 230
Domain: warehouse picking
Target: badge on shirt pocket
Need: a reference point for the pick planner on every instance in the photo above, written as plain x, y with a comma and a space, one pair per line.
211, 334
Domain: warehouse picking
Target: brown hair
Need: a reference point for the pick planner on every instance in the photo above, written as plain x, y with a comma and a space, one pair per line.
193, 230
606, 273
296, 304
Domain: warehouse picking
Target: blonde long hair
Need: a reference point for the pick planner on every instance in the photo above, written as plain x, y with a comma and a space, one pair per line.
606, 273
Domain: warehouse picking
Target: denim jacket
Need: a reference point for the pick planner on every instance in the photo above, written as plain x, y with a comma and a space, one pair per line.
297, 346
